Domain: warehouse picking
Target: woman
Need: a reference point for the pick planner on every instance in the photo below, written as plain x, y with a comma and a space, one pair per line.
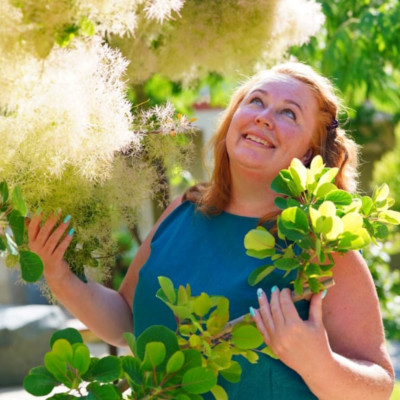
331, 348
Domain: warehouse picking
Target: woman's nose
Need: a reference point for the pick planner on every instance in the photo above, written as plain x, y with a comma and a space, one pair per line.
265, 118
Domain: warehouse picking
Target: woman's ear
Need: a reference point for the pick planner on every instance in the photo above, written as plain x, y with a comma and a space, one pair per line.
307, 157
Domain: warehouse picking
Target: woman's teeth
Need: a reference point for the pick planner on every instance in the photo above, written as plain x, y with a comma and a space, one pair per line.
257, 140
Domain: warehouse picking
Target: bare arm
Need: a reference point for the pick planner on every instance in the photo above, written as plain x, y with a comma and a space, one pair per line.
340, 350
106, 312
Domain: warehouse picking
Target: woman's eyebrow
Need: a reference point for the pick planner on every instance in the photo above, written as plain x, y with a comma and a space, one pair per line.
289, 101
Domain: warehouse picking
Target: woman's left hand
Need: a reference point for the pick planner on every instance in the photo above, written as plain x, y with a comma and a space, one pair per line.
301, 344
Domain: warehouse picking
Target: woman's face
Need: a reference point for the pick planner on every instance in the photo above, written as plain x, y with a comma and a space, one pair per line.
273, 124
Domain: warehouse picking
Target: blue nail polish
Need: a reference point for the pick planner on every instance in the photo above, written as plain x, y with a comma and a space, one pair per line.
259, 292
252, 312
324, 293
71, 232
274, 288
67, 219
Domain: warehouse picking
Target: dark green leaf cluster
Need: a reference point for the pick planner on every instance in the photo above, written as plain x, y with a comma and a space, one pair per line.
317, 220
12, 230
164, 364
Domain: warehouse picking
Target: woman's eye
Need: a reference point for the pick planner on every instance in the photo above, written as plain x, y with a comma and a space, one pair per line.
289, 113
257, 101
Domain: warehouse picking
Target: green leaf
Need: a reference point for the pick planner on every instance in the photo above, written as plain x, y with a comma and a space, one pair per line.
313, 270
298, 285
31, 266
280, 185
390, 217
281, 202
366, 205
133, 369
246, 337
17, 225
380, 231
175, 362
2, 245
157, 333
219, 393
168, 288
268, 351
294, 218
96, 391
202, 304
81, 357
339, 197
325, 189
299, 174
39, 381
233, 373
18, 201
130, 340
4, 191
107, 369
287, 264
259, 239
328, 176
154, 355
259, 274
57, 362
198, 380
260, 254
69, 334
381, 193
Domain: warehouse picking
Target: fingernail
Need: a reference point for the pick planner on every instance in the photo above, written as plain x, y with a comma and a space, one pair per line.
71, 232
67, 219
252, 312
259, 292
39, 211
274, 288
324, 293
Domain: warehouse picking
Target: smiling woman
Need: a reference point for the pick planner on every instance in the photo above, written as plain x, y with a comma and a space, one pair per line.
289, 111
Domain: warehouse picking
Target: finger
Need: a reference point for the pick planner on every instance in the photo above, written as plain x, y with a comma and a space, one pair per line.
265, 311
33, 227
63, 245
289, 310
276, 310
260, 324
315, 312
45, 231
57, 234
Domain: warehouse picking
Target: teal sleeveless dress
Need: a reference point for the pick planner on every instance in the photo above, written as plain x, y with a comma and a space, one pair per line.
208, 253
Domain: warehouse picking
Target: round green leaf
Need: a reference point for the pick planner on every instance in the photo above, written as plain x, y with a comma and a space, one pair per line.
294, 218
259, 239
31, 266
219, 393
339, 197
198, 380
81, 357
39, 381
157, 333
69, 334
247, 337
202, 304
233, 373
107, 369
154, 355
175, 362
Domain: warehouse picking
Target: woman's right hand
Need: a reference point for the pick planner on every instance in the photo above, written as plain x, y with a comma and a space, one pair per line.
50, 242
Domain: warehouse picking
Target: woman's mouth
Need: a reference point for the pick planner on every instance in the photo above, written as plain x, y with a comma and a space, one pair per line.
257, 139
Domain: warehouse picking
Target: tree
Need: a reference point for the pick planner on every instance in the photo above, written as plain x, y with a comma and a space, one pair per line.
70, 135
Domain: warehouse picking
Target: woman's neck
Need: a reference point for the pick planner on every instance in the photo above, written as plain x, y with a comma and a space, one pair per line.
251, 198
